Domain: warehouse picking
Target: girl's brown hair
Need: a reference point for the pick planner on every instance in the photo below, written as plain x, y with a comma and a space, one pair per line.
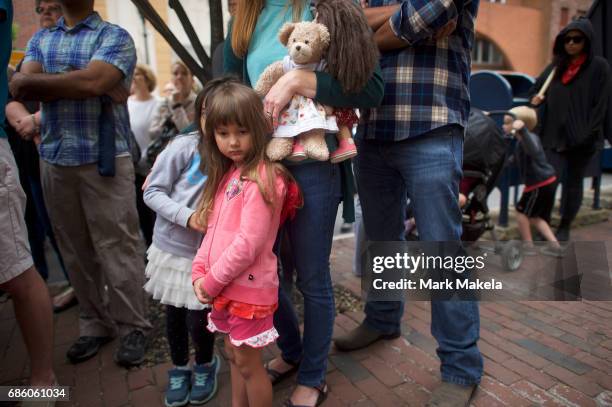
231, 102
352, 55
246, 19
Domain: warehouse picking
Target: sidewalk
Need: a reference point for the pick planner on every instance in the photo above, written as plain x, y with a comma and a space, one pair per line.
536, 353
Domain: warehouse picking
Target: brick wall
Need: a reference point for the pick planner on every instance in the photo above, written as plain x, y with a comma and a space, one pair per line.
571, 8
518, 42
525, 30
26, 19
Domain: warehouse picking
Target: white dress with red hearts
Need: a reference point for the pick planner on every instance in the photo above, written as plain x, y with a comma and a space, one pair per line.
303, 114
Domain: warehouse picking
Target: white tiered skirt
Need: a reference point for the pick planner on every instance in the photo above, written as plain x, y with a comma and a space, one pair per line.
169, 279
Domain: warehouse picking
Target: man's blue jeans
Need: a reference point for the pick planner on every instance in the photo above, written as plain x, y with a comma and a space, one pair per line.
310, 234
427, 169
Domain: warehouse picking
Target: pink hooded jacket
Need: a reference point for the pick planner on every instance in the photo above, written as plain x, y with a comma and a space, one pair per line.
236, 257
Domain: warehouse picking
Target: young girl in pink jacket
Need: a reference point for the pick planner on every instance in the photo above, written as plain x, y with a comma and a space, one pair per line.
242, 204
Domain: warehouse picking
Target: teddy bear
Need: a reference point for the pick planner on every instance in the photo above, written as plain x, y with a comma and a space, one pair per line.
302, 126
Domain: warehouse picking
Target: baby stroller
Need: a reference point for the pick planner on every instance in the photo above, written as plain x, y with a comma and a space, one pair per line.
486, 151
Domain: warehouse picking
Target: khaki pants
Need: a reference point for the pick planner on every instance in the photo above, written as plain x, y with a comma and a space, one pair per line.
96, 226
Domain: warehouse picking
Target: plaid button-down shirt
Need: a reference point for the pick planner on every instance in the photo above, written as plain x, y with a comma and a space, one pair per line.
427, 82
70, 128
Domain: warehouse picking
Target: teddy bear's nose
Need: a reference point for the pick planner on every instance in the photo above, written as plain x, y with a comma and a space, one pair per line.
298, 47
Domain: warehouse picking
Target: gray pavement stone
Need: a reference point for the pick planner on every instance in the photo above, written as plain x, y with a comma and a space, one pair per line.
557, 358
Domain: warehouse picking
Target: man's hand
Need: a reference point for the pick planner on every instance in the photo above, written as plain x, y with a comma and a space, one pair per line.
200, 293
297, 81
26, 128
364, 3
537, 100
177, 97
518, 125
194, 223
119, 94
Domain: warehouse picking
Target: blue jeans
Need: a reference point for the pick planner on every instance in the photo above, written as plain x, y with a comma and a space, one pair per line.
428, 170
310, 234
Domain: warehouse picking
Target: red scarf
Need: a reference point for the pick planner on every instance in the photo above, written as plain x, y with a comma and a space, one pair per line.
572, 69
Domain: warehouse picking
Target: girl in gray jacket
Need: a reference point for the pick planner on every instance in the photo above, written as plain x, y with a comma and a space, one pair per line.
173, 190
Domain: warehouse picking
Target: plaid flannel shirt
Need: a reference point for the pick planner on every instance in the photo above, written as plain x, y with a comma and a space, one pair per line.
427, 82
70, 128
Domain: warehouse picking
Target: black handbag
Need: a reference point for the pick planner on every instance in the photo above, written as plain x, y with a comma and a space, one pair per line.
169, 131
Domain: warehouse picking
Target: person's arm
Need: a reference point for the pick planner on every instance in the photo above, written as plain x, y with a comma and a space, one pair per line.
31, 67
529, 142
386, 39
418, 20
167, 169
599, 106
96, 80
377, 16
113, 61
15, 111
25, 124
325, 89
329, 92
256, 220
532, 93
198, 272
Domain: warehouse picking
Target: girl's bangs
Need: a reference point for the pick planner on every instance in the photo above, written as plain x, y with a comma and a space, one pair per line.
237, 108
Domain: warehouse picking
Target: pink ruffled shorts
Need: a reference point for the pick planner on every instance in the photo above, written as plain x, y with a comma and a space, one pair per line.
255, 333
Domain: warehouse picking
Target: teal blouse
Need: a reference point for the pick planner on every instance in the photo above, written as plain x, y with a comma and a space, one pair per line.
265, 49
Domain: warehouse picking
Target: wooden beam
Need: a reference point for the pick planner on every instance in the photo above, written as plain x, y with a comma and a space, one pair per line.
147, 10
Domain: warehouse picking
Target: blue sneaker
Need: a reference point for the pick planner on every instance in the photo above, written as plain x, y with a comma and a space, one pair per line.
204, 384
177, 393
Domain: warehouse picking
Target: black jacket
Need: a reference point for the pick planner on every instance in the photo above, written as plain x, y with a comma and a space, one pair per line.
572, 115
531, 159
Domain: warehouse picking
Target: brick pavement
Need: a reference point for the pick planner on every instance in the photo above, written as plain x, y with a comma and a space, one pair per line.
536, 353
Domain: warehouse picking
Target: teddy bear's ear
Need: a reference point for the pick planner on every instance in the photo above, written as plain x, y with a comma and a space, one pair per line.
285, 32
324, 34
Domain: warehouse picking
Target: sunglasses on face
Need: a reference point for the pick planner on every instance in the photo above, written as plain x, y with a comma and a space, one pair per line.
576, 39
49, 9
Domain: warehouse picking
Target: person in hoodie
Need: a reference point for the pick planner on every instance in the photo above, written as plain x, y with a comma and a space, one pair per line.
572, 112
535, 205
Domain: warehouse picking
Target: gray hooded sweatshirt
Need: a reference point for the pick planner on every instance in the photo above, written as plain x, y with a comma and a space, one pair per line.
174, 188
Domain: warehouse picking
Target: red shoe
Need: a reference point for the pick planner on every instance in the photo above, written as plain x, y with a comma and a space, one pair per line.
298, 153
346, 149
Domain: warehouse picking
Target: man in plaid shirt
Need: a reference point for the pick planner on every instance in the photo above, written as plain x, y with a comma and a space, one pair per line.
412, 145
75, 69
